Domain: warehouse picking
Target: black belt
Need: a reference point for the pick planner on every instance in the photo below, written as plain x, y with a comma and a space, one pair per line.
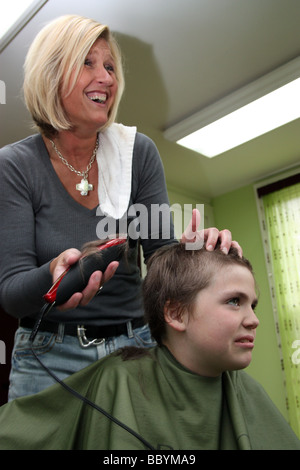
91, 330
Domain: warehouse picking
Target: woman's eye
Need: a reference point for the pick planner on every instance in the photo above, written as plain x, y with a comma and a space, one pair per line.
109, 68
88, 62
235, 301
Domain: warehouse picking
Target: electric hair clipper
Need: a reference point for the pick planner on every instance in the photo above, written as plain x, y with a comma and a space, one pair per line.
76, 277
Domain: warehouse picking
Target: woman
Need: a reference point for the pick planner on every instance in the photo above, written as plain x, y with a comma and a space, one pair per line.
65, 186
188, 393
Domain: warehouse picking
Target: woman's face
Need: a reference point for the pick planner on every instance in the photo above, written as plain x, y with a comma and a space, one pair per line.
93, 95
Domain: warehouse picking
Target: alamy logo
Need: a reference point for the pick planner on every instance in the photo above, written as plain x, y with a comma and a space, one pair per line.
2, 92
2, 353
296, 354
153, 222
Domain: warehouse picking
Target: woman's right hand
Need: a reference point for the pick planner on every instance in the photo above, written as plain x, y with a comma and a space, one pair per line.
97, 279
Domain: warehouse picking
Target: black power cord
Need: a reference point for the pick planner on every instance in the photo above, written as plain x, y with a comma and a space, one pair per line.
110, 251
92, 404
89, 402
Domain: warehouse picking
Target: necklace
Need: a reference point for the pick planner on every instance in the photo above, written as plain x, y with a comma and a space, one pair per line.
84, 186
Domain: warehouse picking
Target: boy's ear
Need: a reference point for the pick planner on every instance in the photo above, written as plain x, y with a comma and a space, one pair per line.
174, 316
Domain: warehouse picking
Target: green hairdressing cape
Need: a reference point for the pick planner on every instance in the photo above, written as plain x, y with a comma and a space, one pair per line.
168, 406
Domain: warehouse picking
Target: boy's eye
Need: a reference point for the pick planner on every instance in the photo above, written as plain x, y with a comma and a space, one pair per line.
235, 301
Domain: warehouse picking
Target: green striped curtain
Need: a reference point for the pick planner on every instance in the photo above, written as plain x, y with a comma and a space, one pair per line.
282, 216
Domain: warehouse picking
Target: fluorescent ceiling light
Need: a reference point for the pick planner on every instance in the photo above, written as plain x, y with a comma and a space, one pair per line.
15, 14
257, 118
256, 109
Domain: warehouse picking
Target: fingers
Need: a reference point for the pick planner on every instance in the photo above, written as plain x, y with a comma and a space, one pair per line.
211, 236
214, 235
225, 238
92, 288
72, 303
110, 271
96, 281
189, 235
63, 262
235, 244
194, 239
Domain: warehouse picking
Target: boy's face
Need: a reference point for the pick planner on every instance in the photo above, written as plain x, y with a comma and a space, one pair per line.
221, 330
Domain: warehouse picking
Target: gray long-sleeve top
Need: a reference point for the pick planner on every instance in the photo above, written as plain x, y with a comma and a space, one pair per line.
39, 220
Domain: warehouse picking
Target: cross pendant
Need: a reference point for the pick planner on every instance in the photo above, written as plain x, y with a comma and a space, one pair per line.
84, 187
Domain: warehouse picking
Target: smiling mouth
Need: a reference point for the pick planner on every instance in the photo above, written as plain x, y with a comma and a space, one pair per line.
98, 97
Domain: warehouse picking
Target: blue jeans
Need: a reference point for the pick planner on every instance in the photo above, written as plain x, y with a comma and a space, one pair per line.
62, 354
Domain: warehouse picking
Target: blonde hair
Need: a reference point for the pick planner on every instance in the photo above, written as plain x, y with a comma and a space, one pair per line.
58, 50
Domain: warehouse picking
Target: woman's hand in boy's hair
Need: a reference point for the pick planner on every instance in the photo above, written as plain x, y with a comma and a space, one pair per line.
195, 238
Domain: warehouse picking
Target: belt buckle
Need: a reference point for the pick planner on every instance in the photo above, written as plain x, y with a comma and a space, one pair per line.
83, 341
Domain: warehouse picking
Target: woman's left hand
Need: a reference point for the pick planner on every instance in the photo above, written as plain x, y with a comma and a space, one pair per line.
210, 236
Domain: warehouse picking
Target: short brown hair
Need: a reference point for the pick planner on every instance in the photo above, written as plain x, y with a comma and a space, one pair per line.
176, 275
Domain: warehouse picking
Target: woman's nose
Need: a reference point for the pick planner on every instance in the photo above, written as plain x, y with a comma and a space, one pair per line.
104, 76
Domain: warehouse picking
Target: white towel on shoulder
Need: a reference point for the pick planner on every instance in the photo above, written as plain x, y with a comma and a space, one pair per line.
114, 158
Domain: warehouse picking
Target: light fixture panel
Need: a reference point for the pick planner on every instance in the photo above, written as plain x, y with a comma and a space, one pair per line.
254, 110
14, 16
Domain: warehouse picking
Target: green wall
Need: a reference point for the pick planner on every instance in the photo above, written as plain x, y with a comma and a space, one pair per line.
237, 211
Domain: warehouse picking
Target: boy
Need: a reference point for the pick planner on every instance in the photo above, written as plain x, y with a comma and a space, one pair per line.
187, 393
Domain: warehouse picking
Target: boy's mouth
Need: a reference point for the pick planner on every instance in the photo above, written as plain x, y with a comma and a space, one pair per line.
247, 341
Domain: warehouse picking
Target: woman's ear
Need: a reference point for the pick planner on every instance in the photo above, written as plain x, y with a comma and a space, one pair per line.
174, 316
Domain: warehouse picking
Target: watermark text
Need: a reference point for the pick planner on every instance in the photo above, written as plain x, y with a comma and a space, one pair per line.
296, 354
2, 92
153, 222
2, 352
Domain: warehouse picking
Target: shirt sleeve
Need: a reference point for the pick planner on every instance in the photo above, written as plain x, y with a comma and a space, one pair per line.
22, 281
150, 197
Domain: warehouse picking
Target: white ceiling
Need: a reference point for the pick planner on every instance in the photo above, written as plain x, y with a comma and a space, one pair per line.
180, 56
